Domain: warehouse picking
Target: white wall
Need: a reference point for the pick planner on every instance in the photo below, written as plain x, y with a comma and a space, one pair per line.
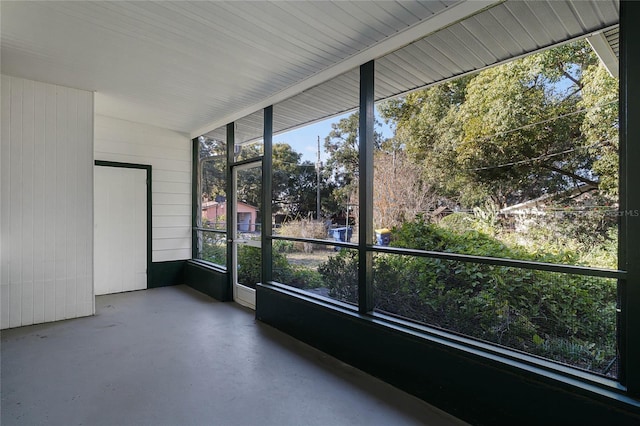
46, 203
169, 154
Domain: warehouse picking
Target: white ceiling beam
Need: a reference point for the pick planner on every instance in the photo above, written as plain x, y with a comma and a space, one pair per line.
450, 15
601, 46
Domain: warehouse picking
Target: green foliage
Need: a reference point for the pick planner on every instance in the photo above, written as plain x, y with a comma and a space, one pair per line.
465, 222
422, 235
282, 246
212, 154
601, 124
213, 178
342, 145
582, 232
299, 277
295, 183
568, 318
213, 252
340, 275
249, 272
516, 131
249, 265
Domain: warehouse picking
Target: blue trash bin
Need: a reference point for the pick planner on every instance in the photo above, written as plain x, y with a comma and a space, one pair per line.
383, 237
342, 235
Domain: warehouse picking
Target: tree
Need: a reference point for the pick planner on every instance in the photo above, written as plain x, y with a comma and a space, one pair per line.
600, 125
516, 131
294, 182
342, 145
400, 191
286, 164
213, 173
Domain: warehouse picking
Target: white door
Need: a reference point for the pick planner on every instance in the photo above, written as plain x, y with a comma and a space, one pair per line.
120, 229
247, 253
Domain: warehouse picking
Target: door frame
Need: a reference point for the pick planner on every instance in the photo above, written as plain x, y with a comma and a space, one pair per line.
146, 167
241, 294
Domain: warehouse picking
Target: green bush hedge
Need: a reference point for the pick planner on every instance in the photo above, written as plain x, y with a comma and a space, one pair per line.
567, 318
250, 261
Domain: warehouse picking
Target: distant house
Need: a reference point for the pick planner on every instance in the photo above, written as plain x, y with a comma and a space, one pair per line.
523, 215
540, 204
215, 212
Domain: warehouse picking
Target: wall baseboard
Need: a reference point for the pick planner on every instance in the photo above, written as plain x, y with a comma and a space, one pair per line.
208, 280
163, 274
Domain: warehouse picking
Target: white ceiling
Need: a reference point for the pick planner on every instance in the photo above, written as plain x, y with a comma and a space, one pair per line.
193, 66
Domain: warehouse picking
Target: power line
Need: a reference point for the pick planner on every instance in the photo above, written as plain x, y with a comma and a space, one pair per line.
542, 157
526, 126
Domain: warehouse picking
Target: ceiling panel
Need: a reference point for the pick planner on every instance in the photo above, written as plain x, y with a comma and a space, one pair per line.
505, 31
183, 65
613, 39
508, 30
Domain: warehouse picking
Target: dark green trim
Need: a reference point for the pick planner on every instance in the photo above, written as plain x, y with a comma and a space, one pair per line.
630, 194
122, 165
267, 166
231, 143
500, 261
365, 196
146, 167
168, 273
215, 231
195, 195
208, 280
247, 161
622, 328
474, 386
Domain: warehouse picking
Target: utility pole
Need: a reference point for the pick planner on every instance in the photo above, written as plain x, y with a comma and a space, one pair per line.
318, 165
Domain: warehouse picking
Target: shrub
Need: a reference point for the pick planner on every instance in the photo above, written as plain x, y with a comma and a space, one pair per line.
213, 252
249, 272
564, 317
249, 265
281, 246
340, 275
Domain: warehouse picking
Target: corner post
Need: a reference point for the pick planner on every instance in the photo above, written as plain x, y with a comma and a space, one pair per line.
195, 194
267, 165
365, 199
231, 144
629, 255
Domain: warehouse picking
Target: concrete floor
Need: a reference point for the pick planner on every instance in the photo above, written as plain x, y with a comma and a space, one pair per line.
172, 356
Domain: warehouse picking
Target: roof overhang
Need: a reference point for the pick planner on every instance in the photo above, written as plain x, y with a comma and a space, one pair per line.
605, 44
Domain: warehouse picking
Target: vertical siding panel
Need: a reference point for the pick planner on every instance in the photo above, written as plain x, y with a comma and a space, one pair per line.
4, 308
115, 222
90, 154
141, 230
49, 229
129, 234
84, 239
39, 210
61, 202
46, 188
5, 176
15, 226
72, 174
28, 122
99, 269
